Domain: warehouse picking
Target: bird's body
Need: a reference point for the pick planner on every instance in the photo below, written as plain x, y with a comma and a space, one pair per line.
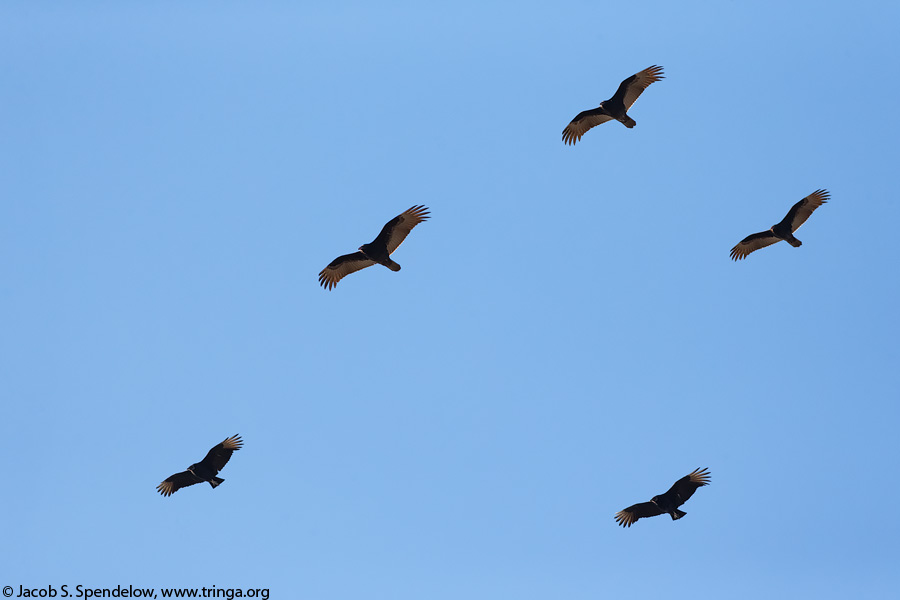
667, 503
378, 251
614, 108
205, 470
784, 229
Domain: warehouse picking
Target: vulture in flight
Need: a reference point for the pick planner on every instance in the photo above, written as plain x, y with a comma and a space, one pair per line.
784, 230
205, 470
378, 252
614, 108
669, 502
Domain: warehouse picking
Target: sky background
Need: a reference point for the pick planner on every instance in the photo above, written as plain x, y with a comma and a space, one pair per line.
567, 337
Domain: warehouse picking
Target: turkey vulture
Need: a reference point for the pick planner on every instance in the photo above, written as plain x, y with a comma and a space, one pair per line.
796, 217
614, 108
205, 470
379, 251
669, 502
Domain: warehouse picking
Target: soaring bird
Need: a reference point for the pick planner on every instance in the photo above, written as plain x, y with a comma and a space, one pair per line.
669, 502
784, 230
614, 108
378, 252
205, 470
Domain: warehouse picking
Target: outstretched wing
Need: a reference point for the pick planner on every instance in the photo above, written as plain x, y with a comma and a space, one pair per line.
219, 454
685, 487
341, 267
631, 89
800, 212
752, 243
176, 482
584, 121
396, 230
627, 517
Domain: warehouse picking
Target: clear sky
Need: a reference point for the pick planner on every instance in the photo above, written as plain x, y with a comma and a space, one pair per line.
567, 336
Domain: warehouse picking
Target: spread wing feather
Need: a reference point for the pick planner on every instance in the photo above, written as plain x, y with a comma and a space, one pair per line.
341, 267
631, 89
685, 487
583, 122
627, 517
396, 230
752, 243
176, 482
219, 454
800, 212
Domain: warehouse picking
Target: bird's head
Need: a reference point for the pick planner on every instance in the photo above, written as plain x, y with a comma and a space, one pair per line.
654, 500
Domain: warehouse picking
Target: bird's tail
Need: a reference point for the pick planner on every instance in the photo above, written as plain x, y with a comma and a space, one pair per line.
677, 514
794, 242
393, 266
215, 481
628, 122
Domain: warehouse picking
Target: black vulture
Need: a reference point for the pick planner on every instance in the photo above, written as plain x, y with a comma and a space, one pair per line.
378, 252
205, 470
784, 230
614, 108
669, 502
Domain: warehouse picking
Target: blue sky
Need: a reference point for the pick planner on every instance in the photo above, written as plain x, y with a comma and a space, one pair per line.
567, 336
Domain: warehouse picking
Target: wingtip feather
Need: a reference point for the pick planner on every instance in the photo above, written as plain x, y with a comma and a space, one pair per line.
624, 518
233, 443
701, 476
